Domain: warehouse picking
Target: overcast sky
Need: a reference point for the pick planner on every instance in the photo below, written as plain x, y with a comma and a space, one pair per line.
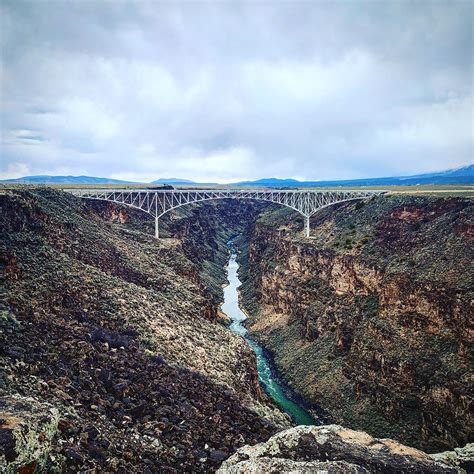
226, 91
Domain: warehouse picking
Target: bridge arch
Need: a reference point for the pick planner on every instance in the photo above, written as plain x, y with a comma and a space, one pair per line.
159, 202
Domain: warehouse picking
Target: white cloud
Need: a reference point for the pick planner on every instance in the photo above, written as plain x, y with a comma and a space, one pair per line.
220, 92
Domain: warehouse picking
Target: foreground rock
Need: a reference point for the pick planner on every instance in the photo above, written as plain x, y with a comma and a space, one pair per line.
462, 458
27, 428
332, 449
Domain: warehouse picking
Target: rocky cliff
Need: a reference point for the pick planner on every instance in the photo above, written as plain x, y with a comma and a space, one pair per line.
372, 317
113, 336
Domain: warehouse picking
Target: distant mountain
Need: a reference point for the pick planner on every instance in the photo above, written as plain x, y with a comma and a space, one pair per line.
270, 182
464, 171
46, 179
464, 175
173, 181
456, 172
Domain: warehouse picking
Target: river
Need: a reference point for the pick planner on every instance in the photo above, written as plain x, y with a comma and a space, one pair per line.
266, 372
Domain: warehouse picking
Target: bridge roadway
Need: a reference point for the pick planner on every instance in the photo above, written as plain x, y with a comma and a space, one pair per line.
159, 202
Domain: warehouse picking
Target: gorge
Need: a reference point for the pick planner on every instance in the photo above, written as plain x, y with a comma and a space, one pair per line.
129, 353
266, 371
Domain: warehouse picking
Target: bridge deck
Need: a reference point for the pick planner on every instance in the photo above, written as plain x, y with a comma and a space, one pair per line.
160, 201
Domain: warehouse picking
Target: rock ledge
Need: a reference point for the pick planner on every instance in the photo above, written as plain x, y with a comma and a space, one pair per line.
332, 449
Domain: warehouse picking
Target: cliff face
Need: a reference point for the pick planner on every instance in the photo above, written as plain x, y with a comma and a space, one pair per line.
115, 334
372, 318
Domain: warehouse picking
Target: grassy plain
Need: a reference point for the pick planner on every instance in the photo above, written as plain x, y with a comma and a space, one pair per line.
441, 190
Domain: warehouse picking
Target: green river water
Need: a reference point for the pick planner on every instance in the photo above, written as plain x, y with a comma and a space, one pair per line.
265, 371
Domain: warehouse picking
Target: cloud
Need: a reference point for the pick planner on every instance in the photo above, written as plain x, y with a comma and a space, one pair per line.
220, 92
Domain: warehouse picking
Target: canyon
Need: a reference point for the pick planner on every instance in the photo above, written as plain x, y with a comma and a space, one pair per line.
119, 337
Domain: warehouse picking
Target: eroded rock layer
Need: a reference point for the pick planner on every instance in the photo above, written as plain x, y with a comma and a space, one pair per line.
372, 317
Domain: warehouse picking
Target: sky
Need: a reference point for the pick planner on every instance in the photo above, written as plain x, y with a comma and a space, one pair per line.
226, 91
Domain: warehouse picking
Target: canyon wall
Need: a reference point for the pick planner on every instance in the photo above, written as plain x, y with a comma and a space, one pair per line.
113, 336
371, 318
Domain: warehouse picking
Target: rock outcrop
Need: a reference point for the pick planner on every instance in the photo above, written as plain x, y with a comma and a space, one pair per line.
372, 317
459, 458
27, 430
331, 449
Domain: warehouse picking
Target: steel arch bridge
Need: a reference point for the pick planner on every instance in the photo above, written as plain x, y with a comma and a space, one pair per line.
159, 202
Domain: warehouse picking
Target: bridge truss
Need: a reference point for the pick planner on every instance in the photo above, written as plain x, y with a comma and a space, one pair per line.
159, 202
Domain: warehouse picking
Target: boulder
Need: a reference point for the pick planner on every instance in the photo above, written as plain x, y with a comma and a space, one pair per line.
27, 428
332, 449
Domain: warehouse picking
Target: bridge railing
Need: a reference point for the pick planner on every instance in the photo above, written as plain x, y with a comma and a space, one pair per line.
159, 202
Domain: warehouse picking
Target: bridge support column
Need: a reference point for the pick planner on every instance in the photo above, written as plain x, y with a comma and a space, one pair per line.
157, 230
306, 226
